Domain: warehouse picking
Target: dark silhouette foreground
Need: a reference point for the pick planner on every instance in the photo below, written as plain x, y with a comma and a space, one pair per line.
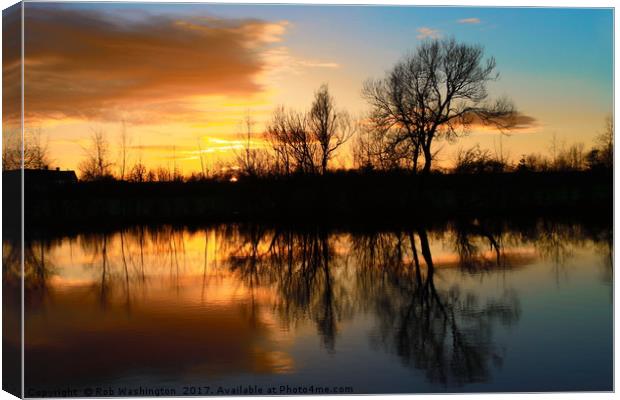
350, 198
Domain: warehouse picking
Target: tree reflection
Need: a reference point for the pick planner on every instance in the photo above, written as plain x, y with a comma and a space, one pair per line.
467, 245
443, 332
325, 278
38, 269
300, 266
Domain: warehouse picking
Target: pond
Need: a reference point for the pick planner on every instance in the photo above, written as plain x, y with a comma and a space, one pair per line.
463, 306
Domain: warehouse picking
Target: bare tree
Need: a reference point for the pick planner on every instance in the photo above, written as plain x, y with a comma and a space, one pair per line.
292, 143
601, 156
555, 147
534, 163
373, 148
436, 93
162, 174
11, 150
97, 164
574, 158
307, 142
364, 153
35, 150
203, 167
605, 143
277, 135
124, 141
176, 175
248, 159
138, 173
36, 153
252, 160
476, 161
331, 128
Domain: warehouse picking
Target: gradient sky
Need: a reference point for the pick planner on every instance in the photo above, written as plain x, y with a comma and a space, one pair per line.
179, 74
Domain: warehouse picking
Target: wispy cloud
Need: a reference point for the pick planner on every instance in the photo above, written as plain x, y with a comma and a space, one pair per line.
318, 64
521, 123
469, 21
426, 32
281, 61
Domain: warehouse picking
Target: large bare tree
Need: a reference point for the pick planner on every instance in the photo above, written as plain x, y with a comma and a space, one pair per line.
436, 92
330, 128
307, 141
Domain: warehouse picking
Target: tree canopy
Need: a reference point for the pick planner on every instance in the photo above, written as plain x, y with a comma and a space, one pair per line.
436, 92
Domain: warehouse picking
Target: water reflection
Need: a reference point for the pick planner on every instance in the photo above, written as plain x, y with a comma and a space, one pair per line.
444, 332
175, 304
300, 266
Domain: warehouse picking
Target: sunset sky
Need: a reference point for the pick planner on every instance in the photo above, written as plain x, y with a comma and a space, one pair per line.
183, 74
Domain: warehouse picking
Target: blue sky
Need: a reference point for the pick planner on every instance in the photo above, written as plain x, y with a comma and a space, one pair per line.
555, 63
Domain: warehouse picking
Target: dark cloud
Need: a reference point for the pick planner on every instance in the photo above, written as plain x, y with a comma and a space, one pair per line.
523, 121
517, 121
90, 64
11, 67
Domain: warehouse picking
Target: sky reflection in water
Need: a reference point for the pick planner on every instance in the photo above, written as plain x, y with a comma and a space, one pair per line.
469, 307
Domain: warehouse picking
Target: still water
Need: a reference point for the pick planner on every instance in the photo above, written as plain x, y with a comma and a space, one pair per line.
464, 306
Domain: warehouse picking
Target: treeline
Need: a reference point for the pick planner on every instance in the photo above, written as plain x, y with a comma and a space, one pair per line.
558, 158
435, 94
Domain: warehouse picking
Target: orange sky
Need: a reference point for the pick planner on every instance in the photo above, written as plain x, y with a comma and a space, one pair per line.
184, 77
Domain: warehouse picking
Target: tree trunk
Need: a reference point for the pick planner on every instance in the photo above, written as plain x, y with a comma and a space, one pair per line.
427, 160
416, 155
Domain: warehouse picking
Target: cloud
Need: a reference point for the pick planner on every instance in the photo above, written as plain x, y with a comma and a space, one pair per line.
88, 64
523, 122
11, 68
469, 21
425, 32
519, 123
317, 64
281, 62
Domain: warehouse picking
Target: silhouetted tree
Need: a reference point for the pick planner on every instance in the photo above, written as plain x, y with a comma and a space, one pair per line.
476, 161
11, 150
97, 164
35, 150
372, 149
138, 173
602, 155
292, 142
251, 160
204, 171
124, 142
330, 128
306, 142
436, 93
